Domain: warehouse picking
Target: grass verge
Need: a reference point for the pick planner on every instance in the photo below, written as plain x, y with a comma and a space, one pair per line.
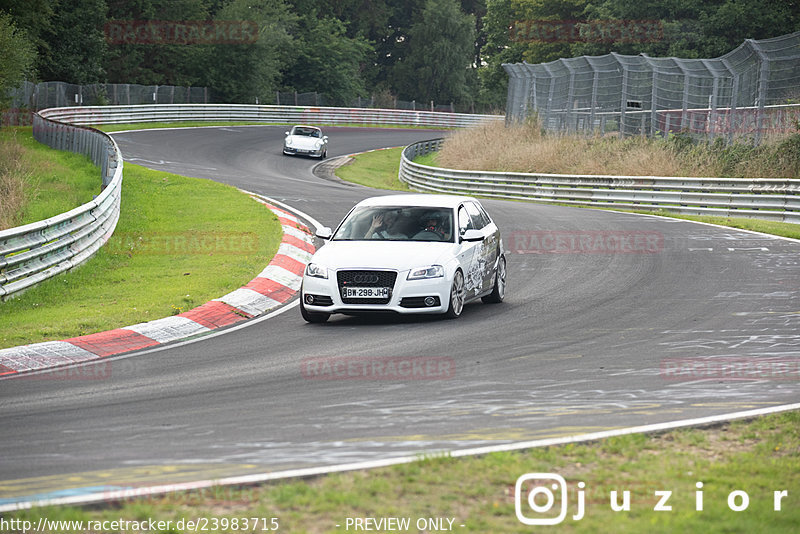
377, 168
179, 243
525, 148
37, 182
757, 457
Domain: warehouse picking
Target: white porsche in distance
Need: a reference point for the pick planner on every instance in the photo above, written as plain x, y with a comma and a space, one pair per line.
406, 254
306, 140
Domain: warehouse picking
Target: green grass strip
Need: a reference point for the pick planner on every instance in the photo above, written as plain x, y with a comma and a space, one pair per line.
179, 243
54, 181
376, 169
757, 457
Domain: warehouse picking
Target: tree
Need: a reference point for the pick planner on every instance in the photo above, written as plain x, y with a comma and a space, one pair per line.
34, 18
75, 44
156, 55
324, 59
16, 61
440, 50
510, 38
242, 73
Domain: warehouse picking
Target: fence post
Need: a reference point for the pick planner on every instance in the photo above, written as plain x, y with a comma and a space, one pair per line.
763, 86
595, 84
570, 115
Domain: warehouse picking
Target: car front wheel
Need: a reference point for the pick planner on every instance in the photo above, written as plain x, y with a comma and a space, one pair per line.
456, 296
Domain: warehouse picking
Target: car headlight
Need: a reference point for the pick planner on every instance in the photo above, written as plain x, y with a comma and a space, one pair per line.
432, 271
318, 145
316, 270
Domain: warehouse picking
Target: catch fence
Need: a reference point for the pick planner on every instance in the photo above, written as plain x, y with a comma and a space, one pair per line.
750, 92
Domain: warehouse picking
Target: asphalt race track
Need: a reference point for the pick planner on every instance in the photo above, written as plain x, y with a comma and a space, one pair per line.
589, 338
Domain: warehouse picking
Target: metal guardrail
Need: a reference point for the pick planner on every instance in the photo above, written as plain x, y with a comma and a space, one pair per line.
759, 198
267, 114
35, 252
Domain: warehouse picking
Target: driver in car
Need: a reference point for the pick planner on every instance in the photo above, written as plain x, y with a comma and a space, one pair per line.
434, 224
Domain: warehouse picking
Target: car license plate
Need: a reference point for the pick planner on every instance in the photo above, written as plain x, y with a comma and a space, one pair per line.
365, 292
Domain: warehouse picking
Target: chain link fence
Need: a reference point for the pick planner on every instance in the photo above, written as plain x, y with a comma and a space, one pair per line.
60, 94
30, 97
749, 92
374, 101
33, 97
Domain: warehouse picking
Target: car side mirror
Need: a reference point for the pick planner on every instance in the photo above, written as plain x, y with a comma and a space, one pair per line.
286, 133
472, 235
324, 233
324, 137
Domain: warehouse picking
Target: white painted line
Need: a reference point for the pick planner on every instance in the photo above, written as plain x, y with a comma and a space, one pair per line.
114, 495
730, 228
299, 234
280, 213
315, 223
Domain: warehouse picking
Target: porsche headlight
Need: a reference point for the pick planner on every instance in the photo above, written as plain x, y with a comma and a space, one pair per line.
431, 271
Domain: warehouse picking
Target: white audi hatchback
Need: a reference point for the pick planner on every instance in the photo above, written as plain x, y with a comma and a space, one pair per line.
406, 254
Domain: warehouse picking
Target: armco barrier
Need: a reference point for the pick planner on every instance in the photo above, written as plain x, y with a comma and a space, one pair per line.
267, 114
35, 252
760, 198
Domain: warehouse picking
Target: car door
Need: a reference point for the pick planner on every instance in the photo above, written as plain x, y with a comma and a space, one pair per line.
469, 255
487, 256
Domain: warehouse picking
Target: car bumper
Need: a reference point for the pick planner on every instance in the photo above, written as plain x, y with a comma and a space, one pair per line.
407, 296
303, 152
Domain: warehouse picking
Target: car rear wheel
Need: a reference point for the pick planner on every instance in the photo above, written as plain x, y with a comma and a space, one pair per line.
312, 317
499, 291
456, 296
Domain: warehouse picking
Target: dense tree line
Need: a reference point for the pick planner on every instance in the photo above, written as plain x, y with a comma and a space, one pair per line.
440, 50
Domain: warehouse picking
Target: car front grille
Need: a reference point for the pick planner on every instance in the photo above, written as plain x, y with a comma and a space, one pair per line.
366, 279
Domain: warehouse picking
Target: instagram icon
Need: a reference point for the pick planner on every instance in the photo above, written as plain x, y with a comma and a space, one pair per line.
542, 491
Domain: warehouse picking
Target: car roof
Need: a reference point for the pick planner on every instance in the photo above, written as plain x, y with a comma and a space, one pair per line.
411, 199
305, 126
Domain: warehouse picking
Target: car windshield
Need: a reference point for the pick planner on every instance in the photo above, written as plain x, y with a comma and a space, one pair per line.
393, 223
306, 132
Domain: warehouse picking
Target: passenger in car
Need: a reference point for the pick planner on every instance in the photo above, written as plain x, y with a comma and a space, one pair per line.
386, 226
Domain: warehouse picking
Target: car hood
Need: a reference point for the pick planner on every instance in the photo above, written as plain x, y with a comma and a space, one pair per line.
400, 255
303, 141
